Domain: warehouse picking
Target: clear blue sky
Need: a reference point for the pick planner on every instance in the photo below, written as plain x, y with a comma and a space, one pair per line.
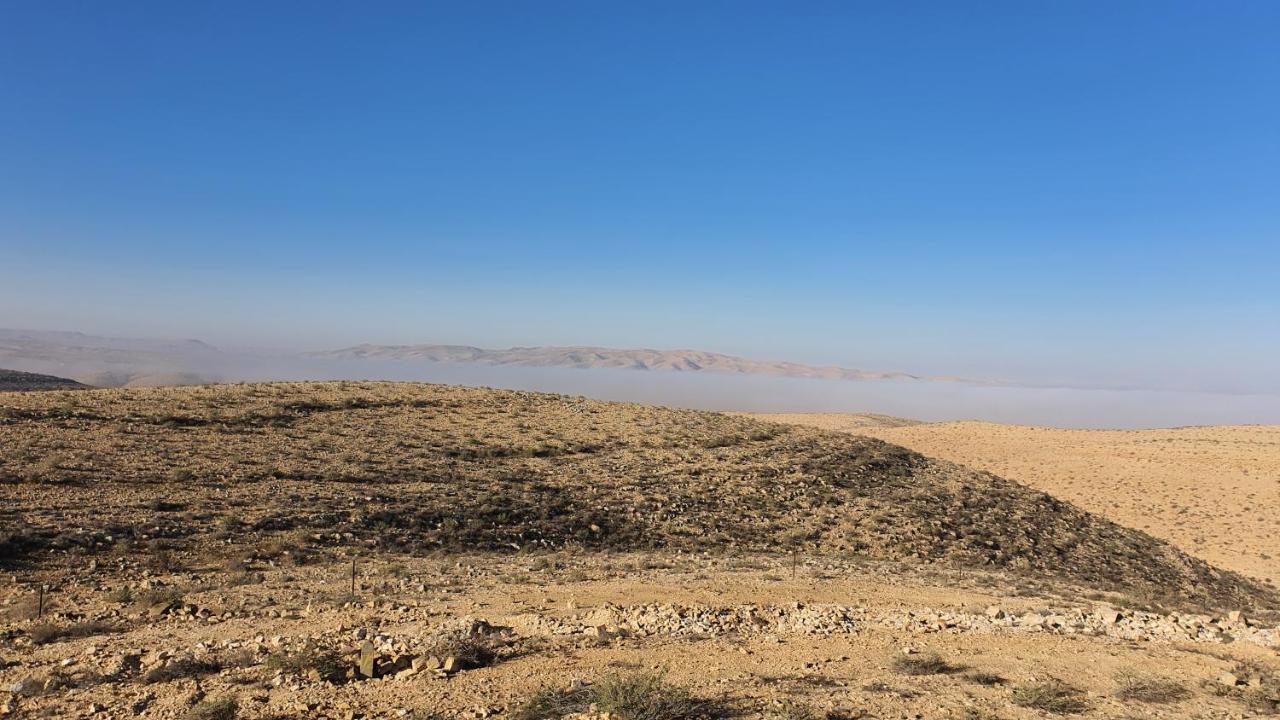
1044, 191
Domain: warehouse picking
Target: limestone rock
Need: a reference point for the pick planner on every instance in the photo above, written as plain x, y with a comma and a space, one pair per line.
368, 656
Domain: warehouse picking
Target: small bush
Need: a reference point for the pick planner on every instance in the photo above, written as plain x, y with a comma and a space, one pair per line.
555, 703
1052, 696
926, 664
1134, 687
44, 633
647, 696
327, 664
794, 711
223, 708
48, 632
155, 596
471, 649
986, 678
641, 696
179, 669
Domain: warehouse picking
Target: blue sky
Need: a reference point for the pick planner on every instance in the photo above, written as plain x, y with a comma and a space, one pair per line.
1073, 192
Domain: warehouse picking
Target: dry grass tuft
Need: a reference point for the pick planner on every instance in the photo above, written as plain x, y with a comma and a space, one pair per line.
223, 708
794, 711
311, 660
986, 678
1052, 696
924, 664
1142, 688
639, 696
180, 669
45, 633
472, 648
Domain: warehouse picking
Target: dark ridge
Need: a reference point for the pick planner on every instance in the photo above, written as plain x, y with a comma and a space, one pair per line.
18, 381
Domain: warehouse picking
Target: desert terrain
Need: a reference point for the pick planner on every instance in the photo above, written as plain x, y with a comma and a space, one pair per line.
370, 550
1212, 491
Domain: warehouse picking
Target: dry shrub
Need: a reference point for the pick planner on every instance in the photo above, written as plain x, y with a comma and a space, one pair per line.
181, 668
926, 664
1052, 696
640, 696
473, 648
327, 664
1142, 688
223, 708
44, 633
794, 711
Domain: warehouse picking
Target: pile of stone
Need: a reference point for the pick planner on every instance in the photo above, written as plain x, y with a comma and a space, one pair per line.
609, 621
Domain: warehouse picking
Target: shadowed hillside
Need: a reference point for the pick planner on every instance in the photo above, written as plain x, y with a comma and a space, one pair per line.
414, 467
15, 380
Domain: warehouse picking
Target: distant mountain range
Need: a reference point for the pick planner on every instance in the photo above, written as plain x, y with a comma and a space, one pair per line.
600, 357
114, 362
109, 361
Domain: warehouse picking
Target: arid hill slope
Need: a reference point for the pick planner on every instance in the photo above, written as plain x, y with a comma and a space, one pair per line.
1212, 491
414, 467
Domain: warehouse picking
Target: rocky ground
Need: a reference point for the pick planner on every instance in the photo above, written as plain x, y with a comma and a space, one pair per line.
476, 636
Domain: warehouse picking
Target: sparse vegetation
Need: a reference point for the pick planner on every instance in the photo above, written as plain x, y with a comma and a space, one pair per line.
473, 648
1052, 696
222, 708
638, 696
43, 633
924, 664
311, 660
180, 668
555, 703
1132, 686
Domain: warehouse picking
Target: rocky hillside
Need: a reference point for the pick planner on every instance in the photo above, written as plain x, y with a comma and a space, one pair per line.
15, 380
417, 468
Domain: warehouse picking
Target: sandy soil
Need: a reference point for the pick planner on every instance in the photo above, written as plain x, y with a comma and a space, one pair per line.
1212, 491
842, 674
